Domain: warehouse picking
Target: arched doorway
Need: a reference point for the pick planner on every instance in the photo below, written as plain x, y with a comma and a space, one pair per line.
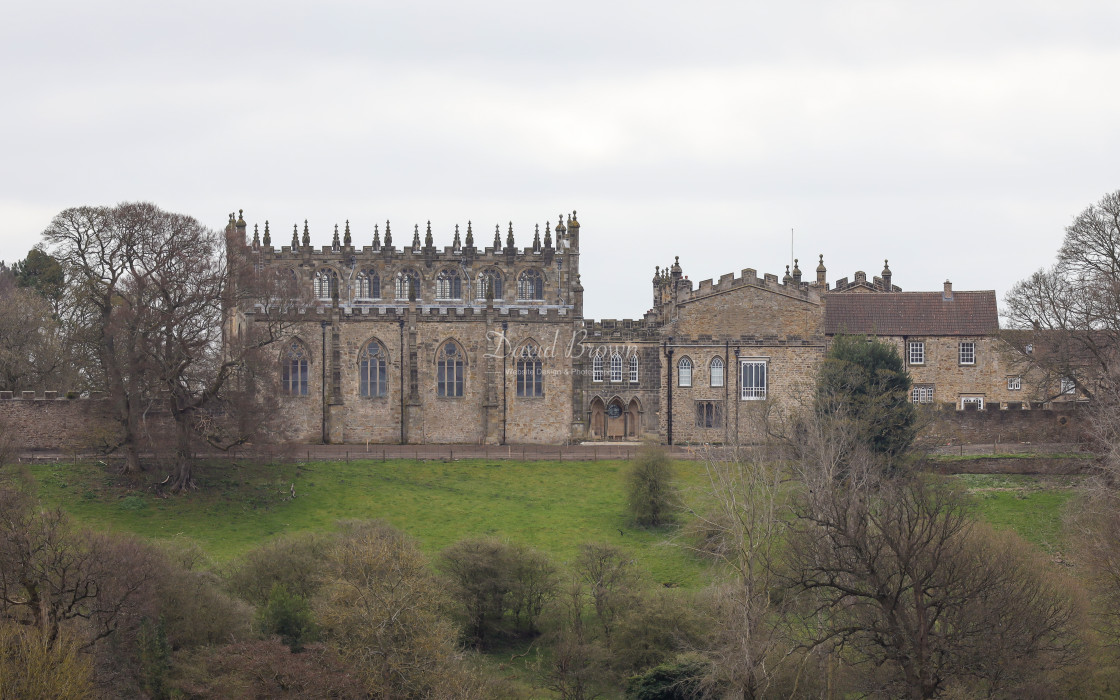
616, 420
598, 427
633, 422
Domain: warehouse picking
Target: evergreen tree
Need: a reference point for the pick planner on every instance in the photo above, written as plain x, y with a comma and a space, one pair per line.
863, 381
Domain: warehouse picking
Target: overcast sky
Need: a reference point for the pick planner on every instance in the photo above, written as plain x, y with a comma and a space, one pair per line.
957, 139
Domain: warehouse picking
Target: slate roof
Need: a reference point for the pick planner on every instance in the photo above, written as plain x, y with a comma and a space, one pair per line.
912, 313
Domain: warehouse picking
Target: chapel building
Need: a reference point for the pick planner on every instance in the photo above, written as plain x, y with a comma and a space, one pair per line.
488, 344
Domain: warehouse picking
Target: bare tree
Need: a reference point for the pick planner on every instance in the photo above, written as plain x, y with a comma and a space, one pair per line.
152, 299
898, 574
740, 519
52, 573
1065, 321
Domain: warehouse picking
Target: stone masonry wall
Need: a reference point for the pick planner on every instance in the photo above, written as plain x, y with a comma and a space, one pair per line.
47, 422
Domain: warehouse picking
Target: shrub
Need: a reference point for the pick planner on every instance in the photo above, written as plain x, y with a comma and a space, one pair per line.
653, 497
288, 616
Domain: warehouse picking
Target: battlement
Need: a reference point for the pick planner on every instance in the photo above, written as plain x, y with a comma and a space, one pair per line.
427, 311
748, 278
51, 396
627, 329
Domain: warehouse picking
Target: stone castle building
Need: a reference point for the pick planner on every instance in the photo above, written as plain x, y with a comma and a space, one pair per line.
473, 343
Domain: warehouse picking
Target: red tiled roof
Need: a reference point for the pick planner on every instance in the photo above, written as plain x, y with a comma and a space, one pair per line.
911, 313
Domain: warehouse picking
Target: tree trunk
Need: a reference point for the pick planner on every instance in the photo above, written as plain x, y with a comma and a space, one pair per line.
184, 459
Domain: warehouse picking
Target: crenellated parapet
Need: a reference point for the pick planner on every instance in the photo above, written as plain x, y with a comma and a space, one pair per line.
634, 330
543, 273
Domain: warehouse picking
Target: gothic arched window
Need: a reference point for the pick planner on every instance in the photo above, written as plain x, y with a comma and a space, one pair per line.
490, 278
449, 370
373, 373
449, 285
616, 367
634, 367
530, 286
294, 370
684, 372
369, 285
530, 374
716, 373
408, 285
596, 367
326, 283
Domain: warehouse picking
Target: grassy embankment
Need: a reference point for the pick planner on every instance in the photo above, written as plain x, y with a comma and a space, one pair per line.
552, 506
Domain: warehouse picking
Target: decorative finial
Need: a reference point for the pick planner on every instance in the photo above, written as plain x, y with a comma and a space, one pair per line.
295, 236
509, 236
376, 237
547, 235
497, 237
256, 237
334, 241
346, 239
415, 236
388, 235
306, 235
537, 238
241, 218
470, 235
455, 244
267, 235
428, 236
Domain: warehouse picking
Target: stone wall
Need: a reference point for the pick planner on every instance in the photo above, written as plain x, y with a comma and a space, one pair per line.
51, 422
1061, 422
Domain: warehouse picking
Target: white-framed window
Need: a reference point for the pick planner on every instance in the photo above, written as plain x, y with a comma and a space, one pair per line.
977, 401
684, 372
1014, 383
1068, 386
1029, 348
966, 352
921, 393
596, 367
752, 380
634, 368
716, 373
916, 352
616, 367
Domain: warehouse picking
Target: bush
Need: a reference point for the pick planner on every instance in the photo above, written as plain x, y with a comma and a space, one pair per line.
294, 562
675, 680
288, 616
30, 667
653, 497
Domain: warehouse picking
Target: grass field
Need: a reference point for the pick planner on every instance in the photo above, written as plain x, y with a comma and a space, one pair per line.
549, 505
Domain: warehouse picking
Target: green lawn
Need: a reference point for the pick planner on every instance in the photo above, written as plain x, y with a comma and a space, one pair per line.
1030, 505
550, 505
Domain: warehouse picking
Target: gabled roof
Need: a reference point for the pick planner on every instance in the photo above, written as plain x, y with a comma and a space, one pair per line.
912, 313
